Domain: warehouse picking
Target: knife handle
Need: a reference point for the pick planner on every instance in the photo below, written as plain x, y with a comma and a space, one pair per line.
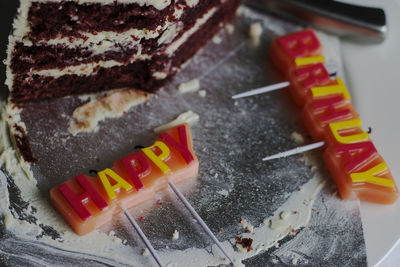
359, 23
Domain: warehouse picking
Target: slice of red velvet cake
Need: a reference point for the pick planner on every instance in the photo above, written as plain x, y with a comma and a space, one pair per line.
68, 47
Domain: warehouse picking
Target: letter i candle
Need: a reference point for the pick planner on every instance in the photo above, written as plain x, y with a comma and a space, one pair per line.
328, 114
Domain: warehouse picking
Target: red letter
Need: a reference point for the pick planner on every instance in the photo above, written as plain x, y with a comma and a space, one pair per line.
182, 147
312, 75
76, 200
330, 108
357, 154
137, 166
301, 44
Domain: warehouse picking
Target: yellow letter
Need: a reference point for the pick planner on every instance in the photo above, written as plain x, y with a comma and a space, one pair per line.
106, 183
369, 176
336, 126
158, 160
331, 90
309, 60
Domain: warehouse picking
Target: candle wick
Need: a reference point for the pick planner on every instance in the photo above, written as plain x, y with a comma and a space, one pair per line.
93, 171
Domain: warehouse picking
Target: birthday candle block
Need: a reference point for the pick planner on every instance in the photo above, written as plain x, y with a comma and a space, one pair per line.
328, 114
88, 202
360, 172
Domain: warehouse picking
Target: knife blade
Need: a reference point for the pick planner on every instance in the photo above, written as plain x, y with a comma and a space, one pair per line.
354, 22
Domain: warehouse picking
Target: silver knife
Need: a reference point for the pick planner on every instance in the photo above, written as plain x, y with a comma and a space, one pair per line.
359, 23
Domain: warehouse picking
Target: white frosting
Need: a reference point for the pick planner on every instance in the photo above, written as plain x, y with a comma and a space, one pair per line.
86, 69
170, 33
90, 68
187, 117
21, 28
189, 86
159, 4
100, 43
92, 39
159, 75
192, 3
175, 45
112, 105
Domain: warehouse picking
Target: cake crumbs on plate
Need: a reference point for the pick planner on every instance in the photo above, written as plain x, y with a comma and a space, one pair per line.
245, 224
244, 244
217, 39
255, 32
145, 252
175, 235
298, 138
229, 28
202, 93
189, 86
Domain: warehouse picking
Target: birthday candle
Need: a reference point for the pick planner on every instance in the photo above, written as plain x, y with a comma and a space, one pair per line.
327, 112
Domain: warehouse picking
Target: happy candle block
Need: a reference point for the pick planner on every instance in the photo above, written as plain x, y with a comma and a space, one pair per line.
88, 202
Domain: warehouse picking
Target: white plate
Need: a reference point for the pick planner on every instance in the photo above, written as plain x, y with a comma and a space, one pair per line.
373, 73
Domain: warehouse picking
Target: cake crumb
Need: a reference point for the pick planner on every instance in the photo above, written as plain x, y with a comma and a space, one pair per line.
112, 104
298, 138
255, 31
245, 224
7, 221
238, 263
223, 192
202, 93
189, 86
217, 39
145, 252
175, 235
278, 224
284, 215
244, 244
159, 75
229, 28
187, 117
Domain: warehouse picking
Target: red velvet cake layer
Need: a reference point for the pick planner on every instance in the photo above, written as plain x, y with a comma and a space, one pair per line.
47, 21
137, 74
